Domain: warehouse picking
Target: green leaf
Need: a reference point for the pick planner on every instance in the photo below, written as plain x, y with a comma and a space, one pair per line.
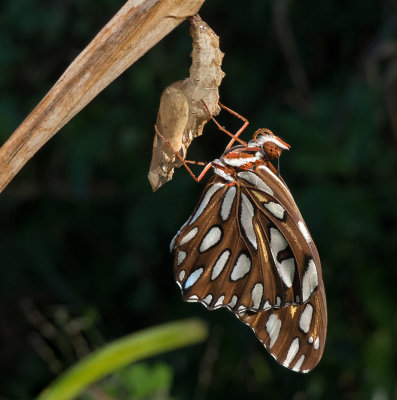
118, 354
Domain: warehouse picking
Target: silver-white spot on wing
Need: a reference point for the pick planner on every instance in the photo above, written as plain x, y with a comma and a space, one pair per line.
193, 298
267, 305
298, 365
277, 241
287, 271
181, 257
273, 326
286, 268
310, 339
304, 231
189, 236
316, 344
241, 309
193, 277
241, 268
207, 300
275, 209
256, 294
278, 301
274, 176
233, 301
306, 318
256, 181
212, 237
182, 275
293, 349
246, 219
172, 244
220, 264
207, 197
309, 281
219, 302
228, 203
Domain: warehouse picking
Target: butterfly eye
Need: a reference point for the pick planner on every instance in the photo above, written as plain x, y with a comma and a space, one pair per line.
272, 150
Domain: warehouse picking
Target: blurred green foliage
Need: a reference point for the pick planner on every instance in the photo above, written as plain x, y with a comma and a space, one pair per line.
84, 375
141, 381
80, 226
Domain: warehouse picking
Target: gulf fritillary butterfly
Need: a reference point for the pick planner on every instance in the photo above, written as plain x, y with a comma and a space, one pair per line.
246, 248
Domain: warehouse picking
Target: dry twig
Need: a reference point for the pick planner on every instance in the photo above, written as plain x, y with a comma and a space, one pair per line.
137, 27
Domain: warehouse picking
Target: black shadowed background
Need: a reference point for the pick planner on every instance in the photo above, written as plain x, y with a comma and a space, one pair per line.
84, 243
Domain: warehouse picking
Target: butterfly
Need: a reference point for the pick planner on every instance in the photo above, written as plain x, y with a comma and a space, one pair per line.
246, 248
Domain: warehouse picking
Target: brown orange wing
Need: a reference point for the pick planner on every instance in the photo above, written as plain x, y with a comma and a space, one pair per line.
247, 248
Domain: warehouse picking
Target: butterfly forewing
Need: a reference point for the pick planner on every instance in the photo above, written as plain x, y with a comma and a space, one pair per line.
213, 261
288, 233
235, 252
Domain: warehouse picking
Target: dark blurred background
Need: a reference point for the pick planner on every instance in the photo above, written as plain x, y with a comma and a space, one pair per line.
84, 247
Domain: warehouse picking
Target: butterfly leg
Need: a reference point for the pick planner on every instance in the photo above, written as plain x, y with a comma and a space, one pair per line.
234, 137
185, 162
238, 133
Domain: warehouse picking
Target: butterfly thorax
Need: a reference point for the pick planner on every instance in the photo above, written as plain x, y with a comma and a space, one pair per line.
264, 147
237, 160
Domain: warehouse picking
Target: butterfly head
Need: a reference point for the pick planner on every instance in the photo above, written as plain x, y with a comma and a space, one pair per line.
272, 146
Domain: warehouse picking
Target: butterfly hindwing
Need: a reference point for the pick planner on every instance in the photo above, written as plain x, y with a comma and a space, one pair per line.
294, 335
